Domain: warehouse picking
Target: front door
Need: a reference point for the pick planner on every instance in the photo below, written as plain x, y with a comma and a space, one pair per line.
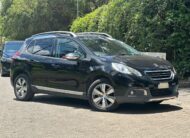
68, 75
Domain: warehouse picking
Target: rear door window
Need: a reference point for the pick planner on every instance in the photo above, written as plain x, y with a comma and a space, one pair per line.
31, 46
42, 47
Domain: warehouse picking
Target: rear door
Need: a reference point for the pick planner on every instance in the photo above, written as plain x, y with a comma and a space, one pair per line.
39, 60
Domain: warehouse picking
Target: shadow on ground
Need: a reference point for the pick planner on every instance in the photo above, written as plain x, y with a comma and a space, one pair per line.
147, 109
61, 101
123, 109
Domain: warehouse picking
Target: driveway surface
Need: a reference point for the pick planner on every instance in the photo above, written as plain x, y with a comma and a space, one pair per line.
49, 116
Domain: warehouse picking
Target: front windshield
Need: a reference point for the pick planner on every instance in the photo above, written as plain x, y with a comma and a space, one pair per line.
102, 46
12, 46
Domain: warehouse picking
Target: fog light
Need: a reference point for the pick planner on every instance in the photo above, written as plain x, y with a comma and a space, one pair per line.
132, 92
174, 84
130, 84
145, 93
138, 92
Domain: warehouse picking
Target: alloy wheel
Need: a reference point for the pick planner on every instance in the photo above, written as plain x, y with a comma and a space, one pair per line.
21, 87
103, 96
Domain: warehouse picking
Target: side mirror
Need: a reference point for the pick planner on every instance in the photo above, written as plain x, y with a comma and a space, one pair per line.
72, 56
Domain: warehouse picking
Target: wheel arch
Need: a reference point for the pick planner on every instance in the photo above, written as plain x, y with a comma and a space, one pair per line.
93, 78
18, 72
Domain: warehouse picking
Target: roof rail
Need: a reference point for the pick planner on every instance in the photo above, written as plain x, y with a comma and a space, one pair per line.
56, 32
95, 33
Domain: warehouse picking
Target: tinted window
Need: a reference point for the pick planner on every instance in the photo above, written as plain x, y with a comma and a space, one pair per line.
12, 46
105, 46
66, 46
31, 46
41, 47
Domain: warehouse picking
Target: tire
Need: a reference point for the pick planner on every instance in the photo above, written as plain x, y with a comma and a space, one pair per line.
22, 88
101, 96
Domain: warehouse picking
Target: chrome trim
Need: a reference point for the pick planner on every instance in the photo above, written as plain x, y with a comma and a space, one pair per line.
168, 78
162, 78
95, 33
56, 32
58, 90
157, 70
162, 98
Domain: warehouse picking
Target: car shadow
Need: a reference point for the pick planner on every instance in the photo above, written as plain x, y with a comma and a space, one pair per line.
123, 109
146, 108
61, 101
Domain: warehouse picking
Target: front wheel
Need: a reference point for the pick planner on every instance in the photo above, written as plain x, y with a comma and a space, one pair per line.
22, 88
102, 96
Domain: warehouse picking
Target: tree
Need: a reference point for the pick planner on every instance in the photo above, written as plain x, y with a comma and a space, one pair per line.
22, 18
159, 26
5, 5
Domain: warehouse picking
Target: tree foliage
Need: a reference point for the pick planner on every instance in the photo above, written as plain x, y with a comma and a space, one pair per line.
159, 26
87, 6
22, 18
25, 17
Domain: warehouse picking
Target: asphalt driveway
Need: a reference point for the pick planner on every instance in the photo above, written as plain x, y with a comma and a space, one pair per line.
50, 116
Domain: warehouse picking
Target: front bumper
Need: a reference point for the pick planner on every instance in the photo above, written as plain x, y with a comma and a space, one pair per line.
144, 95
162, 98
143, 90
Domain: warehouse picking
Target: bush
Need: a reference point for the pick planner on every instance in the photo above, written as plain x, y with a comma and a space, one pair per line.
159, 26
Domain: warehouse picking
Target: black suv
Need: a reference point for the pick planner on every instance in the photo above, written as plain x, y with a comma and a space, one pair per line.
9, 49
92, 66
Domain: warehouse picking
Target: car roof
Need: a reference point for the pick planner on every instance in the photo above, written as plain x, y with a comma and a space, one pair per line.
94, 34
55, 33
68, 34
17, 41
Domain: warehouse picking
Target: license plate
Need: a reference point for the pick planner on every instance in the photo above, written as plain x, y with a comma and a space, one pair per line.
164, 85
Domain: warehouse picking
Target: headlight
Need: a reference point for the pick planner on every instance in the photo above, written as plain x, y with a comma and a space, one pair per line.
125, 69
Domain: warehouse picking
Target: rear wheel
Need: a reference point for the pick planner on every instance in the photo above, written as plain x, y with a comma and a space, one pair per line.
22, 88
102, 96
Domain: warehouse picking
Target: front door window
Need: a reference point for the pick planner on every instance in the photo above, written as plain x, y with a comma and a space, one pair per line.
66, 46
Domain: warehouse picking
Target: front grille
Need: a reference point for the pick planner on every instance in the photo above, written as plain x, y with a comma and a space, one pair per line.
159, 74
159, 93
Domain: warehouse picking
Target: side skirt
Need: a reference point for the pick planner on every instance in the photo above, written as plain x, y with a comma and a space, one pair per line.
58, 92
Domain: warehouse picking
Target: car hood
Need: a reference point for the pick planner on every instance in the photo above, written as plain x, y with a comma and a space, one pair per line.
142, 62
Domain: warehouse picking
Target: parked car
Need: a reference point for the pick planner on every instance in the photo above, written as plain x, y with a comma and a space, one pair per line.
91, 66
9, 49
0, 52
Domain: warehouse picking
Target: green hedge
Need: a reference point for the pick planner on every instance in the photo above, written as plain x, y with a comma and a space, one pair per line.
159, 26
